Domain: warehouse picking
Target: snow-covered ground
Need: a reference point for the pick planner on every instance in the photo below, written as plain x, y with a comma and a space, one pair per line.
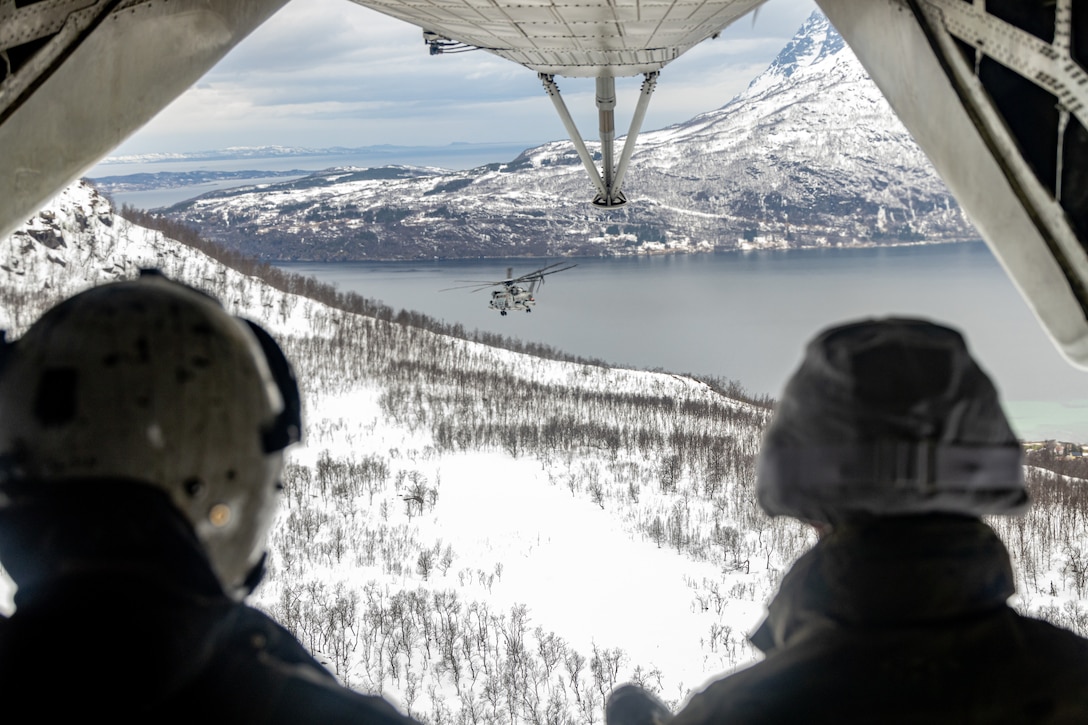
522, 531
485, 535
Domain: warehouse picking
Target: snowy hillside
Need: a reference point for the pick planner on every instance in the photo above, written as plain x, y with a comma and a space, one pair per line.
491, 537
809, 155
507, 490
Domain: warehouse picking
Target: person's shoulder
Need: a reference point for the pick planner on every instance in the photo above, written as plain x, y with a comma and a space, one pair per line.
274, 679
1050, 640
755, 694
253, 628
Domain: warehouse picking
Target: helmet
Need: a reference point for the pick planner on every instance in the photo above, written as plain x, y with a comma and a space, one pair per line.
889, 417
152, 381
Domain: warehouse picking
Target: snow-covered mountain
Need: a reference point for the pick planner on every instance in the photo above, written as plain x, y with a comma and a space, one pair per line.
809, 155
490, 537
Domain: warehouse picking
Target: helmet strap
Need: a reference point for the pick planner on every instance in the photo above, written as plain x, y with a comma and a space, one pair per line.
255, 575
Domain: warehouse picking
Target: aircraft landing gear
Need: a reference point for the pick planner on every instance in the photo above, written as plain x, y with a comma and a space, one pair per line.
608, 185
502, 312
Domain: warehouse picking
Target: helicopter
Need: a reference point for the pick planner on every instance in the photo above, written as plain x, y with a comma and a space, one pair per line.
511, 295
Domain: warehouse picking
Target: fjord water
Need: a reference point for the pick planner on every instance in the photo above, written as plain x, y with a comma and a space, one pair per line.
747, 315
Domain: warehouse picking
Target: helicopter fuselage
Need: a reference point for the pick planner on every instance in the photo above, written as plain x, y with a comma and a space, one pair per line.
512, 298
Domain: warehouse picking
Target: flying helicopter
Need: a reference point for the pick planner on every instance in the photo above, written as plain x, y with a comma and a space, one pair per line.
511, 295
994, 91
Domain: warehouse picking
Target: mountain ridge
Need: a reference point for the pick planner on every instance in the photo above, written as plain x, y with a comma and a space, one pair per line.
809, 155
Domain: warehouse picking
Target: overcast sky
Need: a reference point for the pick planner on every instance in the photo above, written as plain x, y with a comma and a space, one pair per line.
326, 73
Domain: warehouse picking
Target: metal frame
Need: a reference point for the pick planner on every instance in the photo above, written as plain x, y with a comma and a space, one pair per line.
609, 186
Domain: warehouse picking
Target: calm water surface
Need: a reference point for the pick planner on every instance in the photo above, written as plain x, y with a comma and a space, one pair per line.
746, 316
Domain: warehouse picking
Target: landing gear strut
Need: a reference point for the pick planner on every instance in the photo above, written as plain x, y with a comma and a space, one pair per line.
608, 186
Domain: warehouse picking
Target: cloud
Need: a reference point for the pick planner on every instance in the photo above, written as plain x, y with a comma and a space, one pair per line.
331, 72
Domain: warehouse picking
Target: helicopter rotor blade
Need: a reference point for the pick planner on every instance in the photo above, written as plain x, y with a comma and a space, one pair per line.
481, 283
542, 274
539, 273
533, 278
476, 287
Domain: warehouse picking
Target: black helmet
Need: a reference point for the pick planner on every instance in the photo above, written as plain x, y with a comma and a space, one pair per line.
889, 417
151, 381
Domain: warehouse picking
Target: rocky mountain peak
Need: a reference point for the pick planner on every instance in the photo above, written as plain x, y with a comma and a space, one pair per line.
814, 42
813, 51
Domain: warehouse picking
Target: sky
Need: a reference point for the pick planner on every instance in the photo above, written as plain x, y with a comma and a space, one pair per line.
324, 73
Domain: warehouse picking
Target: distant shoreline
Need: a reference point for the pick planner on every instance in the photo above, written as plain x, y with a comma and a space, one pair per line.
644, 253
452, 157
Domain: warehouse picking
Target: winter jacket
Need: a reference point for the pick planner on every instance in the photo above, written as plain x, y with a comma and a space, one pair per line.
119, 618
902, 620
